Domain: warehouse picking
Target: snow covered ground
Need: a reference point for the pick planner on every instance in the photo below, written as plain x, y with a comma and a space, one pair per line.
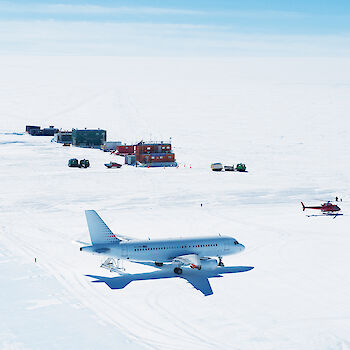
287, 119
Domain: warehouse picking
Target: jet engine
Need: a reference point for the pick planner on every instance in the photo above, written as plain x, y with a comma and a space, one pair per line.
209, 264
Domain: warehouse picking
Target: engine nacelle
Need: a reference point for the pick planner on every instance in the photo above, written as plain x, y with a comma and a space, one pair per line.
209, 264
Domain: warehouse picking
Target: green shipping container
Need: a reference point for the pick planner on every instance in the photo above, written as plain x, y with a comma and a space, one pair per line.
94, 138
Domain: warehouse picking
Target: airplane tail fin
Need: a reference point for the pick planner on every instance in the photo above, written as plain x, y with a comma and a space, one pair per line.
303, 206
99, 231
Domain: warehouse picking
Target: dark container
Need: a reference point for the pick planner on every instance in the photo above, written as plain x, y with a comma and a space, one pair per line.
125, 149
93, 138
30, 127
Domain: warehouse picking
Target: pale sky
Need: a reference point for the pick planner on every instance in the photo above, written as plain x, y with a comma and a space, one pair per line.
175, 28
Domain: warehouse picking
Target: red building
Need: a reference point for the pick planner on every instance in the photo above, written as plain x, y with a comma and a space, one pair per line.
148, 148
156, 158
150, 153
124, 150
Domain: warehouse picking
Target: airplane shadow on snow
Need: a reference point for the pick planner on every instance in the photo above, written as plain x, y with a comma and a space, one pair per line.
198, 279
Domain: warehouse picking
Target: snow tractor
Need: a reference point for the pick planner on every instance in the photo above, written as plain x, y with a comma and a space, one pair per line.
241, 167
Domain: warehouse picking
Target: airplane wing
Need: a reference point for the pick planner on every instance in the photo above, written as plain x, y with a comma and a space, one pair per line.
148, 263
124, 238
183, 260
200, 283
81, 243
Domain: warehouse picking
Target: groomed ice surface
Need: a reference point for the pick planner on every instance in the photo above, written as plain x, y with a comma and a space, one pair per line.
287, 119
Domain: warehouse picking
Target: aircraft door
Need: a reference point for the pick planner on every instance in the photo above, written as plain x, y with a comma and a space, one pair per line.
124, 251
226, 247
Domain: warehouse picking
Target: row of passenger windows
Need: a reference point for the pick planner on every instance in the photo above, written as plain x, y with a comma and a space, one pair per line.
175, 247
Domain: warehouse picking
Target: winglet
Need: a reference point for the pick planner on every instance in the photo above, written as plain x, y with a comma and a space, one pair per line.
303, 206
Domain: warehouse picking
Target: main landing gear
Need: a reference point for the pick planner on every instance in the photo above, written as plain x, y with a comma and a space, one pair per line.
113, 266
178, 270
220, 263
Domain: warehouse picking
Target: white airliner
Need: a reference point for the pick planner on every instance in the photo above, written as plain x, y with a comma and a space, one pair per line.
197, 253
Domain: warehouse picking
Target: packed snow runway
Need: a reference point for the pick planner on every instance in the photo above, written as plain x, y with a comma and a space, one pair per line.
281, 117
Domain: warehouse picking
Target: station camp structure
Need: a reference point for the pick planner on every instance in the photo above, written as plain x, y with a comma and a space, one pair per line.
35, 130
93, 138
144, 154
63, 137
148, 154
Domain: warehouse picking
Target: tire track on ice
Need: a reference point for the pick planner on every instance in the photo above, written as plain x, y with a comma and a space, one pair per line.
77, 286
193, 334
88, 297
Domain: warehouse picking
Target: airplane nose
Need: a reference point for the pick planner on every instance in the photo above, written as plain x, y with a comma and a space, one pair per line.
241, 247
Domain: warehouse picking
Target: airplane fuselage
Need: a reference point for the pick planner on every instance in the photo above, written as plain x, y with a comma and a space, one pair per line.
167, 250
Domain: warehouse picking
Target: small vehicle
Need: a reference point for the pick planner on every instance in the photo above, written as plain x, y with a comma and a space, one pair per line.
229, 168
73, 163
216, 167
84, 163
241, 167
327, 207
111, 165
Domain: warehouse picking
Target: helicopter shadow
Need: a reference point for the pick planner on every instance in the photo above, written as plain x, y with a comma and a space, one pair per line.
198, 279
325, 215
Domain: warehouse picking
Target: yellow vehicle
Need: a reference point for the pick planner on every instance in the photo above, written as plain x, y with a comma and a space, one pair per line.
216, 167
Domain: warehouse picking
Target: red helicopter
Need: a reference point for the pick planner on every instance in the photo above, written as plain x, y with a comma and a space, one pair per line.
325, 207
